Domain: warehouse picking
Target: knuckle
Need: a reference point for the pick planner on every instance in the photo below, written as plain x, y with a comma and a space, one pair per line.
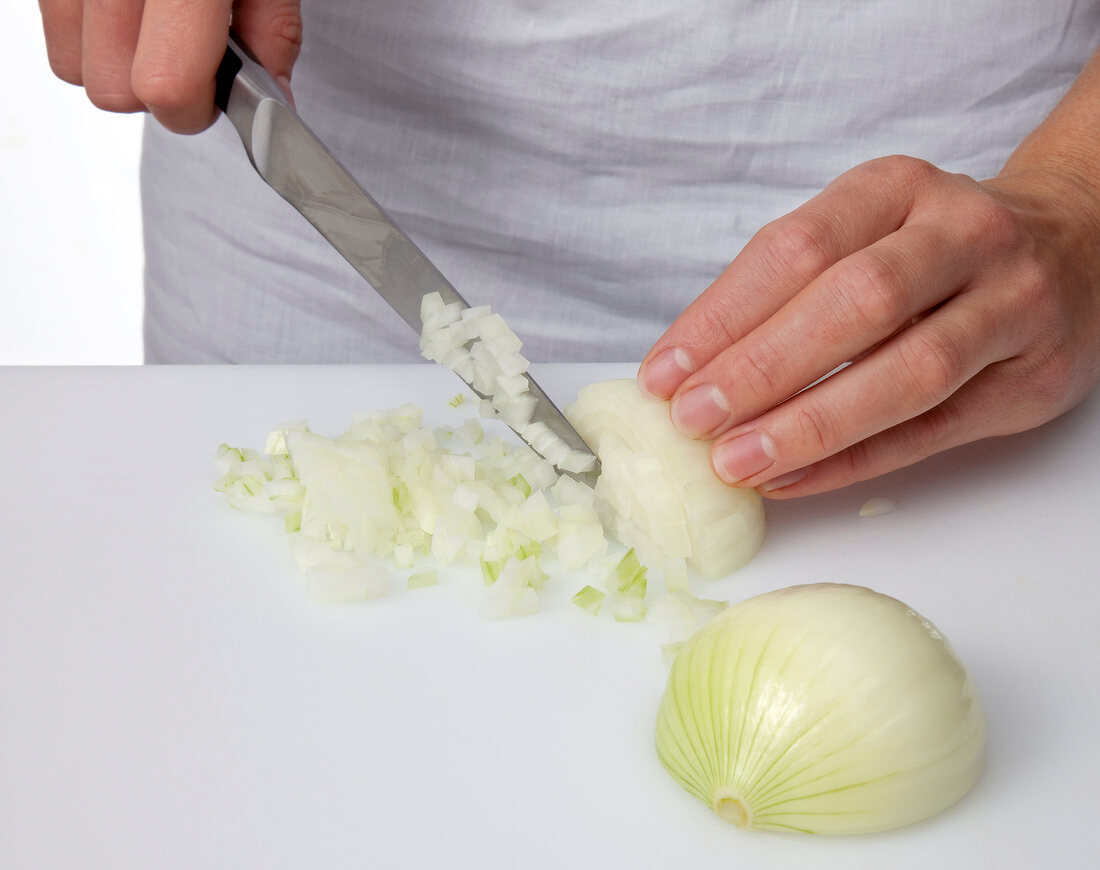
114, 101
930, 432
179, 102
1051, 375
852, 462
66, 66
275, 32
867, 292
814, 430
758, 374
713, 326
285, 26
994, 226
168, 91
797, 242
717, 320
1035, 289
933, 363
907, 172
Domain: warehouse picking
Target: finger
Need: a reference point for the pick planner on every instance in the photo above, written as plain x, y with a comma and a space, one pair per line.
62, 23
273, 30
178, 52
986, 406
904, 379
854, 305
110, 36
858, 208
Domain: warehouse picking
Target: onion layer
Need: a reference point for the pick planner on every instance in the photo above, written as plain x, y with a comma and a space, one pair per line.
825, 709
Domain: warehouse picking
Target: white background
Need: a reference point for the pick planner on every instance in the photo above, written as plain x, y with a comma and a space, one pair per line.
70, 218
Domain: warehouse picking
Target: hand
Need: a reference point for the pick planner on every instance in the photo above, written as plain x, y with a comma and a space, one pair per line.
965, 309
161, 55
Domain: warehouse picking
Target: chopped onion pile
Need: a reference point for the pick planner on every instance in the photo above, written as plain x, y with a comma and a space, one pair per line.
392, 498
482, 349
825, 709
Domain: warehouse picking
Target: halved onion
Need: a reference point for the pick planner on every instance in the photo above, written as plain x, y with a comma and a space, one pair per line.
826, 709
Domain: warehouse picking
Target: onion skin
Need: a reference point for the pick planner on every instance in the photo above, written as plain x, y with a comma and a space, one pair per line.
826, 708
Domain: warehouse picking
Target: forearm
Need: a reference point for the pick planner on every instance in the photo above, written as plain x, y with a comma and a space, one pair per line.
1067, 144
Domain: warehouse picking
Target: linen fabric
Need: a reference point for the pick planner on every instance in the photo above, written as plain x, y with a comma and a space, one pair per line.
585, 168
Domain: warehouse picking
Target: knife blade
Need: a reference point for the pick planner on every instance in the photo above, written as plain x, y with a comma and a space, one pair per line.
300, 168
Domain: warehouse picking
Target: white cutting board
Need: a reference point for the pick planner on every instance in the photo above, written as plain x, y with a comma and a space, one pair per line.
169, 698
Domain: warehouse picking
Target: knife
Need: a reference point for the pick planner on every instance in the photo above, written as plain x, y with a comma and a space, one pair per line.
298, 166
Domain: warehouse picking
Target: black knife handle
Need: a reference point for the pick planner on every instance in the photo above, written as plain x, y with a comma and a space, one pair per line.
227, 73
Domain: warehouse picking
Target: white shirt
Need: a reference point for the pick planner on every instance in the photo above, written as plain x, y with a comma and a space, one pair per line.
586, 168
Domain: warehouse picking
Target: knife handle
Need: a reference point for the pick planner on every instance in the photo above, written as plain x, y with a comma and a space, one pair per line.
227, 73
241, 71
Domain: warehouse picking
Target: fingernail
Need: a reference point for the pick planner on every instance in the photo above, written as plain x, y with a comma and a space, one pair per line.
783, 480
664, 373
700, 410
743, 457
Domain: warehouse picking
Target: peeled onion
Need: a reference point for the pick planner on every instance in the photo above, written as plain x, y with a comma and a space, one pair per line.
658, 486
826, 709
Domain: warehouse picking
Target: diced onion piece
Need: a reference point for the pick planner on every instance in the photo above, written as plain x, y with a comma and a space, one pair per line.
404, 556
876, 506
577, 462
431, 305
275, 445
581, 537
680, 614
515, 412
422, 579
629, 609
511, 385
669, 651
674, 618
496, 333
513, 593
512, 363
568, 491
629, 576
476, 313
456, 359
589, 598
676, 574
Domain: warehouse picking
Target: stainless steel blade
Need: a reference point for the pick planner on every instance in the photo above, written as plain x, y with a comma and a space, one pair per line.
297, 165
